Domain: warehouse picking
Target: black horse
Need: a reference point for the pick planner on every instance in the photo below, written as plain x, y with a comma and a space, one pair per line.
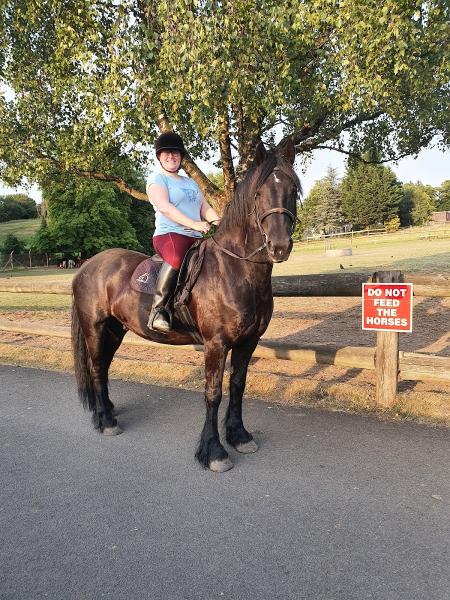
231, 303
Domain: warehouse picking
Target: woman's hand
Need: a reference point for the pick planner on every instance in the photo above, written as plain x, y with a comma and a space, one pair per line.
201, 226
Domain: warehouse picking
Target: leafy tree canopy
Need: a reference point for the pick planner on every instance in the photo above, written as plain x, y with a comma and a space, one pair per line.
322, 209
17, 206
12, 244
443, 196
417, 204
84, 217
93, 81
371, 194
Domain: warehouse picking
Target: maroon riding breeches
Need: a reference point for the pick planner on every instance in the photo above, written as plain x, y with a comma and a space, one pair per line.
172, 247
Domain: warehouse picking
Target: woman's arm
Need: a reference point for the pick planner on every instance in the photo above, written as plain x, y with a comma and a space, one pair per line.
159, 197
208, 213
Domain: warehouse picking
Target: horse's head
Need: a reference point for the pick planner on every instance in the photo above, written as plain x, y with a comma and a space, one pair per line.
276, 202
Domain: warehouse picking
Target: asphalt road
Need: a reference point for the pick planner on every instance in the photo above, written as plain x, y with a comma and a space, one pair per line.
332, 507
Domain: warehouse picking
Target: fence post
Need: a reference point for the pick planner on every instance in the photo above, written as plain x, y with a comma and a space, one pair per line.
386, 356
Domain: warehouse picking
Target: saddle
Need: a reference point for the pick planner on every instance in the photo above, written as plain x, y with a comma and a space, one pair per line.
146, 273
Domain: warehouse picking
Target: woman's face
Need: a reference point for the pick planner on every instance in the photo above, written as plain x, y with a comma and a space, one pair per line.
170, 160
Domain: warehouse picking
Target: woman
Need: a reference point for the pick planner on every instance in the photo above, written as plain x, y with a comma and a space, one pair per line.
182, 216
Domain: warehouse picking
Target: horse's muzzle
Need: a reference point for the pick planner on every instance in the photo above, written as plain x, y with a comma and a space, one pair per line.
279, 252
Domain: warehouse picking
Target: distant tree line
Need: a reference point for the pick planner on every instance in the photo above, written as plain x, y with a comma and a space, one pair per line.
82, 217
368, 196
17, 206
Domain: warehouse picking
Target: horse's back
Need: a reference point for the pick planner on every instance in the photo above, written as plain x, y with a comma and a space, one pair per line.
107, 270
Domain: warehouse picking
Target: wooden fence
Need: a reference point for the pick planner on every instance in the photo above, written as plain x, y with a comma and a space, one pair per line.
386, 359
342, 284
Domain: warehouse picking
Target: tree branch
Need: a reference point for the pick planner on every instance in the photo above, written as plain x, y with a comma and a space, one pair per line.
363, 118
359, 157
121, 183
98, 176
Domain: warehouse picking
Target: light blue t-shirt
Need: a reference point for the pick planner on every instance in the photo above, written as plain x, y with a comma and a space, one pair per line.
183, 193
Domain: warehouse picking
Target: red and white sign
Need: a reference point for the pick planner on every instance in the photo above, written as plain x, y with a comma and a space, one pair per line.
387, 306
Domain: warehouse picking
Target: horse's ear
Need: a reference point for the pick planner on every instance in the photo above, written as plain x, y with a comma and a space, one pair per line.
260, 154
287, 149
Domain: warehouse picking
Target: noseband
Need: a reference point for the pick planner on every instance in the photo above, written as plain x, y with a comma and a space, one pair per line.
259, 220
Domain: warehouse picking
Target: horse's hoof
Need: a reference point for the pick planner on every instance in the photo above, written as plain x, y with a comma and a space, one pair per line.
110, 431
220, 466
247, 448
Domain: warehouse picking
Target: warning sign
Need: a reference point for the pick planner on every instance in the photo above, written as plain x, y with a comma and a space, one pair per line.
387, 306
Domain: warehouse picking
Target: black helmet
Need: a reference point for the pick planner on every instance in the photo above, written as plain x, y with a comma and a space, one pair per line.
169, 141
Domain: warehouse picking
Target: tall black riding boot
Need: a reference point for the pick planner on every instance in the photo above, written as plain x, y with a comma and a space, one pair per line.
160, 318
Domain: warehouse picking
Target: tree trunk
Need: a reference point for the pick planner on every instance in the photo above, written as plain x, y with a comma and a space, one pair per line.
229, 175
248, 136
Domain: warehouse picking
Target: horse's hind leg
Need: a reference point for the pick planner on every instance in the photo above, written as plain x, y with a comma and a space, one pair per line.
102, 341
210, 453
112, 338
236, 433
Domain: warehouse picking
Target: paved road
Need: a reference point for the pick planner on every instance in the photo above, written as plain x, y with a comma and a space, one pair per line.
332, 507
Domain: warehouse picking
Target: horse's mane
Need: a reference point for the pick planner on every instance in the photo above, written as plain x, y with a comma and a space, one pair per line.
236, 213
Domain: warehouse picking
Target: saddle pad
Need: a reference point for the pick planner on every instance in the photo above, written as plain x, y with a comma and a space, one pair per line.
145, 275
144, 280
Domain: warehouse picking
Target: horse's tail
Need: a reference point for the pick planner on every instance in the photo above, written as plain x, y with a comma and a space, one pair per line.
81, 361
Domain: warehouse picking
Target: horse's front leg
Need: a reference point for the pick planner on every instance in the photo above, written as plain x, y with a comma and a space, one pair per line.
236, 433
210, 452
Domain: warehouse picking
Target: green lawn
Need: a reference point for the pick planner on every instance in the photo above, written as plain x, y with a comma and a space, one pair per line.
11, 302
22, 229
408, 251
412, 251
37, 274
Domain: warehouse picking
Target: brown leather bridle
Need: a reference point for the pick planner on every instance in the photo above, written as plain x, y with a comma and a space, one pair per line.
259, 221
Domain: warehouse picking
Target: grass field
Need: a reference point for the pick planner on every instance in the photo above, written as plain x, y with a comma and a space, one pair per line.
22, 229
12, 302
417, 250
412, 251
309, 319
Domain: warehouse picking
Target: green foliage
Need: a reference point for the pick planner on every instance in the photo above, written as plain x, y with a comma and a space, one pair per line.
217, 179
322, 209
90, 80
417, 204
371, 194
17, 206
405, 208
142, 218
443, 196
393, 224
12, 244
84, 217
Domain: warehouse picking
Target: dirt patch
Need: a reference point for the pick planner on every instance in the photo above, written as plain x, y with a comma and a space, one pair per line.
338, 321
296, 320
321, 321
285, 382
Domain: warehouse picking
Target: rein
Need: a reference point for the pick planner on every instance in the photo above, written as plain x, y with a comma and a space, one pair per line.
259, 220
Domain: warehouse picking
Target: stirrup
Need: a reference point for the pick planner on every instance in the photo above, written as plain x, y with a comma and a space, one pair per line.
165, 320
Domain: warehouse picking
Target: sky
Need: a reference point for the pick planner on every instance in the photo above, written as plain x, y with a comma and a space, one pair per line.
430, 167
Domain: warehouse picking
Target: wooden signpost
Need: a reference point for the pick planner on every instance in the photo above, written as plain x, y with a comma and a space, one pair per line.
387, 309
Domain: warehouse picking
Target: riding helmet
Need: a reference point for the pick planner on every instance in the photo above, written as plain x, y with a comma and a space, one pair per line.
169, 141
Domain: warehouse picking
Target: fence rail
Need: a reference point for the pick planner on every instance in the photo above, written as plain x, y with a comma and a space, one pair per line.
342, 284
386, 358
412, 365
431, 231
